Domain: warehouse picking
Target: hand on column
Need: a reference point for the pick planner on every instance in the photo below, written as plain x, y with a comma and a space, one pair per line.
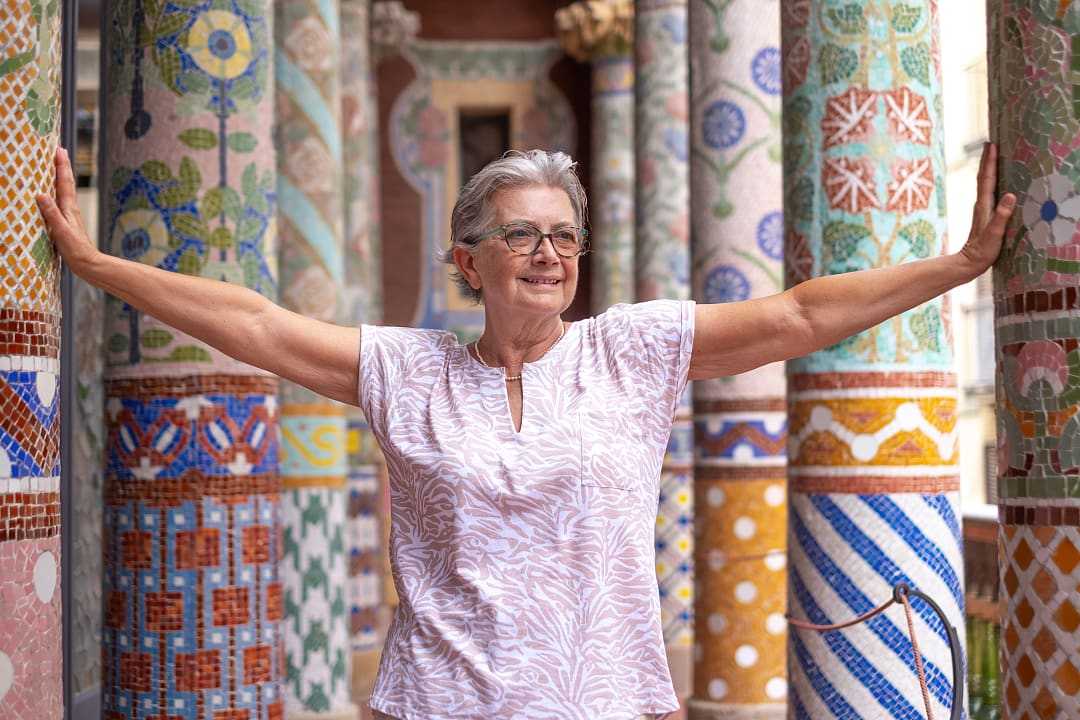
988, 221
63, 219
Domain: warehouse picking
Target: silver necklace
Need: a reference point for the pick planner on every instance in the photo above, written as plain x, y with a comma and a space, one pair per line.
515, 378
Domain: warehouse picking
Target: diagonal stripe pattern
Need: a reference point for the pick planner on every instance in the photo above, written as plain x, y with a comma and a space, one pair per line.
872, 449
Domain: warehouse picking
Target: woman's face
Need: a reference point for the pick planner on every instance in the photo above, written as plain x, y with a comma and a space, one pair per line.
541, 284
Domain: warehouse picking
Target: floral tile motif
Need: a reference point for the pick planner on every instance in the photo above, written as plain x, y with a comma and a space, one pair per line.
872, 446
740, 427
1035, 119
192, 604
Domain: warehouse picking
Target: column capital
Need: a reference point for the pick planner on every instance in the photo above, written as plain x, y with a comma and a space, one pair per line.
592, 29
392, 27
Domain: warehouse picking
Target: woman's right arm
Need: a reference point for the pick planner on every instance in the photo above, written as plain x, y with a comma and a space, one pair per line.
235, 320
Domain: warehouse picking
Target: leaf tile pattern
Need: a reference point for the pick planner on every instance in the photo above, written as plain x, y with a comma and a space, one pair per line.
872, 453
524, 561
31, 653
739, 422
192, 622
1034, 54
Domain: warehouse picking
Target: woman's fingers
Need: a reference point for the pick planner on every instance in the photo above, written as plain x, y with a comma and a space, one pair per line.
1000, 220
65, 184
55, 222
985, 189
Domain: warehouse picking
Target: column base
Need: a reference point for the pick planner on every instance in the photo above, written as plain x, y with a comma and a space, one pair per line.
349, 712
707, 710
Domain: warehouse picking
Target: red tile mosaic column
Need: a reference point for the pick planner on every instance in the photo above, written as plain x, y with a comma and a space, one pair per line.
193, 604
740, 423
31, 660
1035, 118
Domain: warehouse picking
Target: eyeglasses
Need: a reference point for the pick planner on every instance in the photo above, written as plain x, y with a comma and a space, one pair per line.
525, 239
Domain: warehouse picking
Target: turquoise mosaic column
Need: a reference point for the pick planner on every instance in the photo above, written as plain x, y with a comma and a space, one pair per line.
872, 451
662, 249
1034, 51
740, 423
603, 33
192, 598
363, 283
307, 64
31, 632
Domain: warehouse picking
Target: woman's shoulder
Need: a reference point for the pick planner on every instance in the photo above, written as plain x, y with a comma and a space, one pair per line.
391, 335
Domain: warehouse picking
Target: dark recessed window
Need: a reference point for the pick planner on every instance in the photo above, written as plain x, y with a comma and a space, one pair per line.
484, 136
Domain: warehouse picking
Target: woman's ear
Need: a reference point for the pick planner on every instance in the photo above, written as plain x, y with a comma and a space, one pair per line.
466, 265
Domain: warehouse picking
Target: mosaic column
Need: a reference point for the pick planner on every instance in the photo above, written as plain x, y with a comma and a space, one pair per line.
739, 422
872, 451
192, 598
363, 280
603, 33
307, 63
31, 656
662, 270
1035, 118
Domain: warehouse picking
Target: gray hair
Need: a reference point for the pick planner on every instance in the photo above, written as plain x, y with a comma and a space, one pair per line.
473, 214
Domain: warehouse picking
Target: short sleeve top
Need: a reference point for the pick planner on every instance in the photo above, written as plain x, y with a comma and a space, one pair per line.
524, 561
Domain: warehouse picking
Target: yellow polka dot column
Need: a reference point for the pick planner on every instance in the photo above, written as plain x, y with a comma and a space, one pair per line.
739, 423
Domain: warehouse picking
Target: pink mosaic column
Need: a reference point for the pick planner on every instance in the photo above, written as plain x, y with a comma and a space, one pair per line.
740, 423
662, 247
603, 33
1035, 119
31, 660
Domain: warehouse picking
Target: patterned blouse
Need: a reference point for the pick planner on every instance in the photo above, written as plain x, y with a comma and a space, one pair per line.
524, 561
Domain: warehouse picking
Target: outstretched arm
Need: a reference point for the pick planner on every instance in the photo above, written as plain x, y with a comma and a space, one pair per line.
235, 320
735, 337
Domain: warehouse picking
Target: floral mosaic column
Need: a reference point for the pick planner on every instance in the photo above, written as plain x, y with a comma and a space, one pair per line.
31, 657
872, 449
739, 422
311, 216
359, 127
192, 599
662, 270
1035, 117
603, 33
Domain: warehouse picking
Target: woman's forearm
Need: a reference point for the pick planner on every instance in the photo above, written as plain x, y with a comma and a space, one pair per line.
837, 306
222, 315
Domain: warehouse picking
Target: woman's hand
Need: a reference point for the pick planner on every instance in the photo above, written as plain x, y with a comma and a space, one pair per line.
987, 221
63, 219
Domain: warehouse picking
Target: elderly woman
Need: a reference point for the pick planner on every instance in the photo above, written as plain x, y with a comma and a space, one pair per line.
524, 466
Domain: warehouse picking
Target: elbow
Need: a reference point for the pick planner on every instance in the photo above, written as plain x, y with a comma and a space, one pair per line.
797, 327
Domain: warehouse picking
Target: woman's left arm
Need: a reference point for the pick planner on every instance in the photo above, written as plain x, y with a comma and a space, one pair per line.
731, 338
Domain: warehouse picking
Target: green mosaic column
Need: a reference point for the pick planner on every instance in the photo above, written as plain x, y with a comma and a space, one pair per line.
662, 259
603, 33
1034, 71
363, 285
307, 64
740, 503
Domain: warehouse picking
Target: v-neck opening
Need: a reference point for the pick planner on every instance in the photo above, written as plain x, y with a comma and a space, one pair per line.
527, 368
